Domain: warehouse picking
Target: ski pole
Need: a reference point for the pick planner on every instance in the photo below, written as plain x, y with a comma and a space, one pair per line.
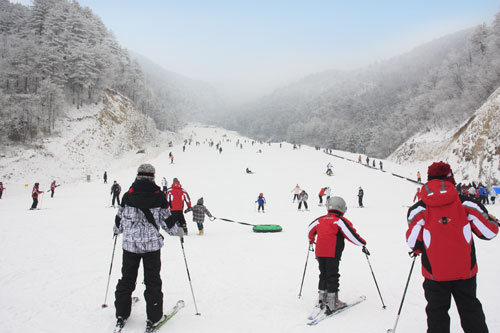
104, 305
309, 249
393, 330
366, 252
189, 276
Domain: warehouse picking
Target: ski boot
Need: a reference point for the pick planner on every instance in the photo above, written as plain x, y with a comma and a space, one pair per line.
333, 303
200, 232
152, 327
120, 323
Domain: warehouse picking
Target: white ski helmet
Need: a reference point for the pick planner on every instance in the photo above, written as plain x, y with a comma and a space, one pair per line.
336, 203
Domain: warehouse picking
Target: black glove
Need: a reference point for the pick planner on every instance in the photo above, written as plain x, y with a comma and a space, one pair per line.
365, 251
311, 247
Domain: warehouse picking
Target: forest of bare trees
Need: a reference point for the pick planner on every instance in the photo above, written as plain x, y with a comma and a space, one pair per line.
57, 53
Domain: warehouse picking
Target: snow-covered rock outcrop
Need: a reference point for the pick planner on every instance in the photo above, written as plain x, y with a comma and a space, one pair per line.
91, 139
473, 149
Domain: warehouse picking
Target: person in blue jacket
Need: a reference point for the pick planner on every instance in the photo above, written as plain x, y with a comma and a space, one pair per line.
261, 201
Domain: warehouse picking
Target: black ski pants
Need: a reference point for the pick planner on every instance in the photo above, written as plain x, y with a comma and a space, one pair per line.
305, 204
153, 295
116, 196
328, 274
177, 217
438, 296
35, 203
360, 200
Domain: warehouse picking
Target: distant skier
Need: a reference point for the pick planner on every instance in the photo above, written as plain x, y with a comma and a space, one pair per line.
303, 196
329, 170
296, 191
367, 161
220, 150
328, 192
53, 188
249, 171
261, 201
2, 188
321, 194
361, 193
359, 159
419, 177
171, 158
34, 195
115, 191
105, 177
328, 233
199, 211
418, 195
143, 211
164, 185
381, 165
176, 197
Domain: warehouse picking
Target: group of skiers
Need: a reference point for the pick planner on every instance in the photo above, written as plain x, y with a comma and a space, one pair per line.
36, 192
448, 262
478, 192
144, 209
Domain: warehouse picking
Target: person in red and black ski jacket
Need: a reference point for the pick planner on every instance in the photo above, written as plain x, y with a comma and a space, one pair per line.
34, 195
321, 194
176, 197
329, 232
53, 188
1, 189
441, 228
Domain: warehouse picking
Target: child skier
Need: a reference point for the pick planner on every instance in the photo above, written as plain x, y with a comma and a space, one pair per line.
329, 233
261, 201
199, 211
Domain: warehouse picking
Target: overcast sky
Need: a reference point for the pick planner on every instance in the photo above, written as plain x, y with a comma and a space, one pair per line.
250, 47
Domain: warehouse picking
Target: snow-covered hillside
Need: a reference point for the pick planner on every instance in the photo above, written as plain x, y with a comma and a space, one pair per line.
473, 148
55, 261
93, 137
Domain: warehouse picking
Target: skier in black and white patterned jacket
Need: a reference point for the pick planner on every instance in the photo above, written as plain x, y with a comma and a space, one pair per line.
142, 212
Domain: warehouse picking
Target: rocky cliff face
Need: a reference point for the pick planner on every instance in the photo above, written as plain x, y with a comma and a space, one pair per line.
473, 149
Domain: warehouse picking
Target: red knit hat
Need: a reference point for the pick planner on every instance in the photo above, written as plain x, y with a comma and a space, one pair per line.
440, 170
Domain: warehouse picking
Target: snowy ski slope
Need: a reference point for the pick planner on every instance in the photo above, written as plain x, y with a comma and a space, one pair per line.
55, 261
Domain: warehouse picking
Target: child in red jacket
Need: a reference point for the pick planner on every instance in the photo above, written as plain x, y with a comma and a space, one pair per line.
329, 232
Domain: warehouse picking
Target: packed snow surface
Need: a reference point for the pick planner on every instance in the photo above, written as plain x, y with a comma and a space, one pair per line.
55, 261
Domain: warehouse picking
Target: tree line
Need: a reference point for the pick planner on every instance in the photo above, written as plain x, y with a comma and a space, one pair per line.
375, 109
57, 53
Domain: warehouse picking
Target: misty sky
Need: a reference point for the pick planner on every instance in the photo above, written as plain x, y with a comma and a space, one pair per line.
248, 48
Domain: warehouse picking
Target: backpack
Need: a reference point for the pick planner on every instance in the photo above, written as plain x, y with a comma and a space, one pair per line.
447, 235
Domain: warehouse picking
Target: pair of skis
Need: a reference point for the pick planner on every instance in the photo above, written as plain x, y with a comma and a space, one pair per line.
318, 314
166, 317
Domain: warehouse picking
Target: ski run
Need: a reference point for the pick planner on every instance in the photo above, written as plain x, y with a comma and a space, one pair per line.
55, 261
